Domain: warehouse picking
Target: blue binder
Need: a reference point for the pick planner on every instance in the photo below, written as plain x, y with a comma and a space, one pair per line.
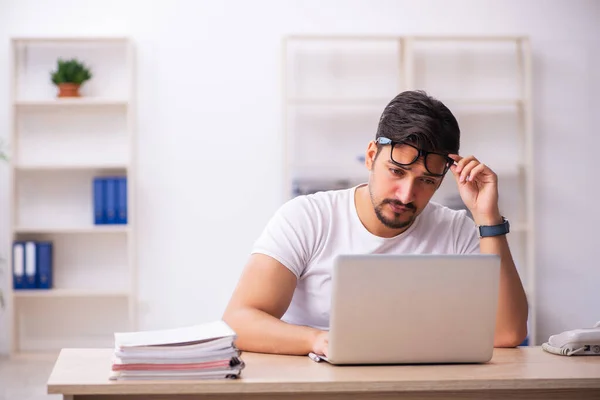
111, 200
122, 200
44, 265
18, 265
99, 201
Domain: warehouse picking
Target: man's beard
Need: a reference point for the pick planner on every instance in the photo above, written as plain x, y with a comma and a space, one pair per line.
394, 223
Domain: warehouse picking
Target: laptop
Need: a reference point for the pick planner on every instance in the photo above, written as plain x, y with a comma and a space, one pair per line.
413, 309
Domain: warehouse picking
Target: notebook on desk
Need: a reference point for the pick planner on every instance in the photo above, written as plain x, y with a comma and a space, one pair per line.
413, 309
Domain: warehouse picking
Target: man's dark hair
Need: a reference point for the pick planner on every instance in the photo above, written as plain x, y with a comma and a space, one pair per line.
417, 118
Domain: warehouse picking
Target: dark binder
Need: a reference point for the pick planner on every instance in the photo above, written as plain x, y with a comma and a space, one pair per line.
122, 200
111, 200
44, 265
99, 188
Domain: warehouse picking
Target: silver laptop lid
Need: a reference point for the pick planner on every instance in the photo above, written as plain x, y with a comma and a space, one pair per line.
413, 308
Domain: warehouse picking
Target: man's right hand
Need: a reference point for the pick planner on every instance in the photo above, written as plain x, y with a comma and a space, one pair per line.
321, 343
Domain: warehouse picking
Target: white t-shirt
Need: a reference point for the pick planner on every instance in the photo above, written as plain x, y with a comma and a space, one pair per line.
308, 232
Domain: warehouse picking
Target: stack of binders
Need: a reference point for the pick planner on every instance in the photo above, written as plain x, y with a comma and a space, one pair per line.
204, 351
32, 265
110, 200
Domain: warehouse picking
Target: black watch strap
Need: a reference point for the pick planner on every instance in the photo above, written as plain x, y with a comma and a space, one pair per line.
494, 230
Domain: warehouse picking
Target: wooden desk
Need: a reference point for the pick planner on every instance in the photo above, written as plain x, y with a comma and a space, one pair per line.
513, 373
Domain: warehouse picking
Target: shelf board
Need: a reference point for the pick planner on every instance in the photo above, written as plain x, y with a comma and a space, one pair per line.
45, 293
72, 102
342, 37
74, 230
74, 39
357, 101
445, 38
500, 102
466, 38
69, 167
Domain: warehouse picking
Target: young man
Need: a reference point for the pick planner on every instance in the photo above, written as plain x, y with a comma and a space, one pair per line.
281, 303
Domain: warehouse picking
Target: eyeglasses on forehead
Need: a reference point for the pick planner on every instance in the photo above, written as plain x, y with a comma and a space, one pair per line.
436, 164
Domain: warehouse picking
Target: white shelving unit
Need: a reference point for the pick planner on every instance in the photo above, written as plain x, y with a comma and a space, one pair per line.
58, 145
336, 87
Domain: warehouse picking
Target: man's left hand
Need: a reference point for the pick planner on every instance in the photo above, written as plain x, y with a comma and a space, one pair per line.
478, 188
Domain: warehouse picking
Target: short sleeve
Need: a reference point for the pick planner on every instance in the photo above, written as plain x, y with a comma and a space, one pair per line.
290, 235
467, 236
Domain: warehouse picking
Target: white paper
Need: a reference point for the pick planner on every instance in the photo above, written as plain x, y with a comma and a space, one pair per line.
191, 334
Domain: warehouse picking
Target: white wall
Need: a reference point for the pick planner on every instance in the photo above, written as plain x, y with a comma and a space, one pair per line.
209, 74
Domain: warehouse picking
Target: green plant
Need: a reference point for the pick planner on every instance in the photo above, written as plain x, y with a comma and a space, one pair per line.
3, 155
70, 71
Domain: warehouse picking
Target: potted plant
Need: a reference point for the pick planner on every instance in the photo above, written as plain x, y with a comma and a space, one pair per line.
69, 76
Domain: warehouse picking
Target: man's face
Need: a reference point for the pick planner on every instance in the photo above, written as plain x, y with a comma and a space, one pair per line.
399, 194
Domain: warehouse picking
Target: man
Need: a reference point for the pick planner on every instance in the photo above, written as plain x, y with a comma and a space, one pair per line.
281, 303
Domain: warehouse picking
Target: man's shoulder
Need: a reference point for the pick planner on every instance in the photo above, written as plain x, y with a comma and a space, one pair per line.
326, 200
440, 214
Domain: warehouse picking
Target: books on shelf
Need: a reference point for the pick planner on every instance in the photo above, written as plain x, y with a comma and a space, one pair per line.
110, 200
32, 265
205, 351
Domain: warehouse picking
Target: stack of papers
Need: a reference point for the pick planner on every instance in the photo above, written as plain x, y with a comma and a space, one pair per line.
197, 352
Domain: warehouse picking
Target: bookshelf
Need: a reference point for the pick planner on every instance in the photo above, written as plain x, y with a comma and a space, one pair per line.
68, 102
69, 293
58, 145
78, 230
335, 88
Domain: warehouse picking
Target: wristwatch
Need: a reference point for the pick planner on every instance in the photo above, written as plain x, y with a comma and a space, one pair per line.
494, 230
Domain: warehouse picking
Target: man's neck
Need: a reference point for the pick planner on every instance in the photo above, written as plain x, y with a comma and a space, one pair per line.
366, 215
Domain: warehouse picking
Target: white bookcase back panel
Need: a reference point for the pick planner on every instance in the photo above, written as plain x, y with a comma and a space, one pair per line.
56, 199
62, 136
492, 135
342, 69
511, 201
467, 70
330, 142
107, 62
96, 262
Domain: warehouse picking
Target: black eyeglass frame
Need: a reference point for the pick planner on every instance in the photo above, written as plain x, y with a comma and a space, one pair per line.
382, 140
